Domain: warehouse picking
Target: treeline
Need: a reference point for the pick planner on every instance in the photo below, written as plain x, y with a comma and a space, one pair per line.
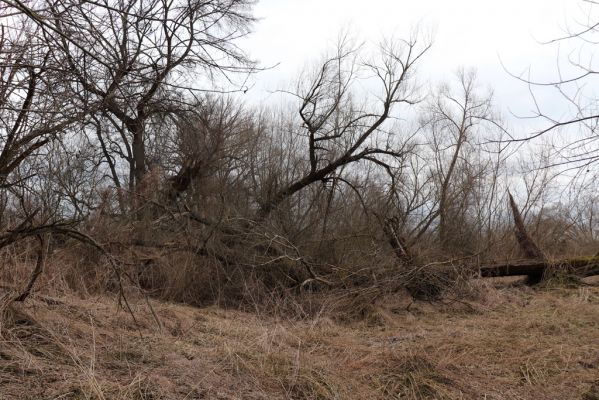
126, 153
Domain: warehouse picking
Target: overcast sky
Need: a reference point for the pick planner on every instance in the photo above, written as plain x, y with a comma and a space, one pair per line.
469, 33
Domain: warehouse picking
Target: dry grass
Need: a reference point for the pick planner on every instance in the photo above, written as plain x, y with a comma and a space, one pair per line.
515, 344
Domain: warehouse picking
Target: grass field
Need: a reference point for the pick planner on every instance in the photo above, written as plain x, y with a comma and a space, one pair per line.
515, 343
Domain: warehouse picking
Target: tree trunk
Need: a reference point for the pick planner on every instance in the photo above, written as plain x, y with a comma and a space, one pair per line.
397, 243
578, 266
139, 153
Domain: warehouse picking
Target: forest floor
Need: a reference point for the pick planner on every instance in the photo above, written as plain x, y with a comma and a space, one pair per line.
516, 343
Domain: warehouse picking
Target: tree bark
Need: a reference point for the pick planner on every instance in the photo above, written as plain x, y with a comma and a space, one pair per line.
139, 151
397, 243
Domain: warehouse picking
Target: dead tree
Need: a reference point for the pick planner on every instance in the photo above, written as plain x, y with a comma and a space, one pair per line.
582, 267
537, 264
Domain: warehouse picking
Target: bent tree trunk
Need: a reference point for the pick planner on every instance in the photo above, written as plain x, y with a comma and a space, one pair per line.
37, 271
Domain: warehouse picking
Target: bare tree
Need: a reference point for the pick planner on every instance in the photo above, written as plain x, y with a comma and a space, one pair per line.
35, 109
33, 106
455, 118
339, 129
142, 59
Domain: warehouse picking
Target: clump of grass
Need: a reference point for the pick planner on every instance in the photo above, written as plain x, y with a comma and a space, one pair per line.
559, 277
26, 333
410, 376
592, 393
310, 383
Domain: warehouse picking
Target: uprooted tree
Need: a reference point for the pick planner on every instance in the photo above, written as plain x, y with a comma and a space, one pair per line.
537, 265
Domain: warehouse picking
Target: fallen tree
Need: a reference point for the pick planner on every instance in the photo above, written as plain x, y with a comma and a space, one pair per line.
583, 267
536, 266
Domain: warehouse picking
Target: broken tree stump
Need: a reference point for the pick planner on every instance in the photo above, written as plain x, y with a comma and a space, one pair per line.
527, 245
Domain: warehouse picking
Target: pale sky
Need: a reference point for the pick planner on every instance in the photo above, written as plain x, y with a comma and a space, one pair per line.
468, 33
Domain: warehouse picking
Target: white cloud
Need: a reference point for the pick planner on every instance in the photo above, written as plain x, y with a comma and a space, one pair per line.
470, 33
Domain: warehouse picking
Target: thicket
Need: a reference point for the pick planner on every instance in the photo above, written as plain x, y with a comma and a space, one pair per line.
127, 161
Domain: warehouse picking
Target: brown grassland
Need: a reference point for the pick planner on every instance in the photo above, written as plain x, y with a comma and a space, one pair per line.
513, 343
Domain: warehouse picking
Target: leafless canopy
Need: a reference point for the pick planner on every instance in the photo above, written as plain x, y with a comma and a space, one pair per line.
135, 60
342, 130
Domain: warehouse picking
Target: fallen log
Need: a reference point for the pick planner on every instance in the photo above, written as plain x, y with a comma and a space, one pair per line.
583, 267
